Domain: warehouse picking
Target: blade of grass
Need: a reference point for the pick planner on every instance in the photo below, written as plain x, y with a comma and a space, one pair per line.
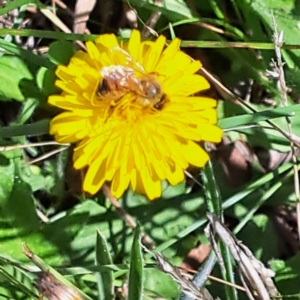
104, 279
56, 35
247, 190
37, 128
211, 191
15, 282
216, 9
46, 268
27, 55
254, 118
186, 43
255, 185
202, 21
136, 273
261, 201
214, 204
4, 9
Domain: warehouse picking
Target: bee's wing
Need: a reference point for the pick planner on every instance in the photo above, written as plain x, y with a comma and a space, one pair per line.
121, 57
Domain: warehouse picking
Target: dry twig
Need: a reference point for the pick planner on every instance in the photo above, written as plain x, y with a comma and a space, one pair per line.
279, 74
252, 272
147, 241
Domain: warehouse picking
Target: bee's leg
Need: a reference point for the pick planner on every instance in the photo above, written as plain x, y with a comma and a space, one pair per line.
160, 104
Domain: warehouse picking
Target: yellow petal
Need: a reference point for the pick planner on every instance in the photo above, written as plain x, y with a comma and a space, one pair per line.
94, 54
134, 44
107, 40
194, 154
176, 176
154, 53
171, 50
68, 124
179, 62
210, 133
152, 188
188, 85
95, 177
120, 182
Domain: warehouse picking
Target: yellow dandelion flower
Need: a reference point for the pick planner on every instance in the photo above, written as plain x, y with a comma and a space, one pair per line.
131, 109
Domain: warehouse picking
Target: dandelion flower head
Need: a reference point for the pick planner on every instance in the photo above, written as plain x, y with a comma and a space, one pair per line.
131, 109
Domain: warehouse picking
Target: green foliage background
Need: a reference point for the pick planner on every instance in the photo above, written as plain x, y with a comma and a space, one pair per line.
84, 239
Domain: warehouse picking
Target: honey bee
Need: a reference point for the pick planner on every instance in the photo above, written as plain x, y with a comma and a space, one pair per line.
117, 81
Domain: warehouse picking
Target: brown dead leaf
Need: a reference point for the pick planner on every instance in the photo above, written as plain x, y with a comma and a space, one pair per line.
196, 257
272, 159
83, 8
284, 219
235, 159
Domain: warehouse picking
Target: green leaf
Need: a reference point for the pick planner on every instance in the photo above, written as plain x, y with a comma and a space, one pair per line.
104, 278
287, 274
20, 223
161, 284
19, 207
7, 174
60, 52
16, 81
136, 273
46, 81
26, 111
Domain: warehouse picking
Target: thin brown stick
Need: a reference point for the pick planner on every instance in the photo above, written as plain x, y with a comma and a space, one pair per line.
46, 155
213, 278
146, 240
278, 67
188, 174
13, 147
